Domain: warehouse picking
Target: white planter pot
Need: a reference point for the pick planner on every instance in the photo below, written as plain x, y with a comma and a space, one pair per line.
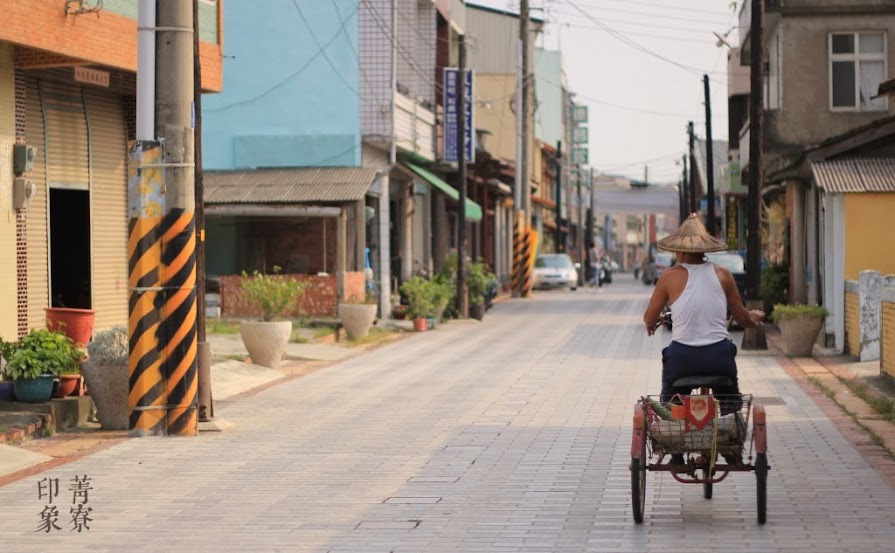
357, 318
799, 335
266, 341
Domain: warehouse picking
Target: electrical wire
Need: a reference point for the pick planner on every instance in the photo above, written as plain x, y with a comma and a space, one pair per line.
717, 19
289, 77
322, 48
636, 45
655, 5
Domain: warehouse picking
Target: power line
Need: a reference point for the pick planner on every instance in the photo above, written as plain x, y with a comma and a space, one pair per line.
702, 29
637, 45
323, 48
290, 77
676, 9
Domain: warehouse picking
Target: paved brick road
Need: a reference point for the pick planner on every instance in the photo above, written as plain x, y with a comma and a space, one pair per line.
510, 435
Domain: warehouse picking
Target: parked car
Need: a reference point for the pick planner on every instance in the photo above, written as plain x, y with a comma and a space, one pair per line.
735, 264
554, 270
657, 266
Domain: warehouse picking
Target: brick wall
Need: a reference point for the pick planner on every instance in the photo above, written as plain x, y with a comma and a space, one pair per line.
107, 39
852, 323
318, 300
887, 339
21, 240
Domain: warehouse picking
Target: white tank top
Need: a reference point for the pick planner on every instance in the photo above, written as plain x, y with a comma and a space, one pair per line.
699, 315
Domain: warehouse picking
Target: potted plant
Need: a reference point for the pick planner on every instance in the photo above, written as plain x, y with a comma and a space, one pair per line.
478, 280
106, 373
419, 301
273, 295
7, 393
77, 324
357, 315
40, 356
799, 326
442, 294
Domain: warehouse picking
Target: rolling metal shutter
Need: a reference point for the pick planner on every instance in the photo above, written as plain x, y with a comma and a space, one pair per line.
37, 217
66, 124
108, 208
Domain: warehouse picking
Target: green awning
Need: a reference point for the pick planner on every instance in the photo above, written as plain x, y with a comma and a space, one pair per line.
473, 210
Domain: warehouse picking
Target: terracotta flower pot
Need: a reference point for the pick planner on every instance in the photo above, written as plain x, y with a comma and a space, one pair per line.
420, 324
77, 324
68, 385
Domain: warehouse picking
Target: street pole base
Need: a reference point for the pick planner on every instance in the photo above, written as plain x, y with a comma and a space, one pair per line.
755, 338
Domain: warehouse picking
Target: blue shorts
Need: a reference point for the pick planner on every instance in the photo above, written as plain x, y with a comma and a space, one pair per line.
680, 360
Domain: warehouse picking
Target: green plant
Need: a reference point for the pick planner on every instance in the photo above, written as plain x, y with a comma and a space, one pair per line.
786, 312
44, 352
221, 326
273, 296
7, 349
774, 285
369, 298
420, 297
478, 280
109, 346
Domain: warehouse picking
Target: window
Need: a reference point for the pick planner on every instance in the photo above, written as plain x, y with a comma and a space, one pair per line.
857, 66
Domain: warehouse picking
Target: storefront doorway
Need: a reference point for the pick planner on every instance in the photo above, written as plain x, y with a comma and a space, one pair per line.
70, 283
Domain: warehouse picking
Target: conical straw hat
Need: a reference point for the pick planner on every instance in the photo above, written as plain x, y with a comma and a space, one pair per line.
691, 237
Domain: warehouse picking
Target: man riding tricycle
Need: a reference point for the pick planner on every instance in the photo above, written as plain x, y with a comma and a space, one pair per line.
702, 437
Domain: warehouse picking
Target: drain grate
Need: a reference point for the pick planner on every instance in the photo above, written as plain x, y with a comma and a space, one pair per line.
768, 400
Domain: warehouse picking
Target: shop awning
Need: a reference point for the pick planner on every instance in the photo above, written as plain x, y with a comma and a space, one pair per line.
473, 210
288, 185
848, 175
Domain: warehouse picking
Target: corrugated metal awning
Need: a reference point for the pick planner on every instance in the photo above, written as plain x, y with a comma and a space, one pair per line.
288, 185
842, 176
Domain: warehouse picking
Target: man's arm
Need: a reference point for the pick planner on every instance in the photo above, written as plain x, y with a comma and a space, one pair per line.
746, 319
656, 303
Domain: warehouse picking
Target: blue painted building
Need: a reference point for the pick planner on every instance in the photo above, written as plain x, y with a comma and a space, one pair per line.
281, 145
291, 87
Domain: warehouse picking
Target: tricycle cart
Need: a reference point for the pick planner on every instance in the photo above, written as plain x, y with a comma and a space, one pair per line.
699, 439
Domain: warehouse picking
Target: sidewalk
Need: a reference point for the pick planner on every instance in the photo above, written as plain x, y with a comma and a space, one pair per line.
230, 378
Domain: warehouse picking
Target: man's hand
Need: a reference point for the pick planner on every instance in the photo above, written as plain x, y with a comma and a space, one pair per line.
757, 316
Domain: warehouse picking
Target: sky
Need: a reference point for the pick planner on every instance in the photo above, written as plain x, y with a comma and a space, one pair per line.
624, 58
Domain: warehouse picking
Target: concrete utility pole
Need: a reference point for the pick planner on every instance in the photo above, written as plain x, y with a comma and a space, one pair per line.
524, 37
206, 408
174, 126
709, 160
682, 193
694, 201
462, 298
557, 185
754, 338
580, 237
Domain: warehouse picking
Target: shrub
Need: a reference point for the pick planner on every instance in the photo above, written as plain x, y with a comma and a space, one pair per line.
774, 285
272, 296
109, 346
478, 280
420, 297
44, 352
785, 312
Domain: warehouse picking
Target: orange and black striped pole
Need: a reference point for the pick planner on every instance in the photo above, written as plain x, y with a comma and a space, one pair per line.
146, 201
162, 323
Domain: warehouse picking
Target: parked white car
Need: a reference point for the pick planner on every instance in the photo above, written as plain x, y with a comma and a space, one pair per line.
554, 270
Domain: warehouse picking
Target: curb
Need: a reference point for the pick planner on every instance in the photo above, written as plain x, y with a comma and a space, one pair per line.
15, 436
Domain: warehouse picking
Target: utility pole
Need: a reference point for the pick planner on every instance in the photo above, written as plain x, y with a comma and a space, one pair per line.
168, 407
524, 36
682, 193
591, 239
756, 140
462, 299
580, 237
694, 201
557, 185
754, 338
203, 350
709, 160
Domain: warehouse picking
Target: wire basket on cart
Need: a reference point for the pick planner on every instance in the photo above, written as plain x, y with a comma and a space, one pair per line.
669, 432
